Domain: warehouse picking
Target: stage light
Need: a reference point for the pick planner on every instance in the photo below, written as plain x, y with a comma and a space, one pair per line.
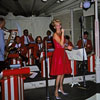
44, 0
59, 1
86, 4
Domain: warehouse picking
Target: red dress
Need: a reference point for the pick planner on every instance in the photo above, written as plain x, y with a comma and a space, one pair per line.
60, 62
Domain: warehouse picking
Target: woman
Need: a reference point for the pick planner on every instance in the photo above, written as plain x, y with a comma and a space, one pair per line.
38, 48
60, 62
17, 47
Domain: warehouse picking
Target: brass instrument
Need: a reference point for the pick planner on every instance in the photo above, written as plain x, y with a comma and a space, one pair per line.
7, 45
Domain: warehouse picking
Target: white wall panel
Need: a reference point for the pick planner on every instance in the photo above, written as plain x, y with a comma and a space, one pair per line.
41, 25
35, 25
66, 22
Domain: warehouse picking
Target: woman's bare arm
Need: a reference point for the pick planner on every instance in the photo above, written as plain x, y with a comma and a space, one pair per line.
60, 41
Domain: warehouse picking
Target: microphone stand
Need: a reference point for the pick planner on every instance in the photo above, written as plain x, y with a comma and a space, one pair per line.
83, 63
46, 72
84, 67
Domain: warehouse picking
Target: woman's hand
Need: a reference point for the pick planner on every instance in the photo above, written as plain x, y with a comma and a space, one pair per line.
62, 31
69, 47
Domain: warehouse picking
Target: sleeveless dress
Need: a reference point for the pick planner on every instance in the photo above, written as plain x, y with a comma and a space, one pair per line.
60, 62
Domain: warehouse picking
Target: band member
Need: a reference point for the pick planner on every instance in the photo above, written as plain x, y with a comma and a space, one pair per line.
17, 47
67, 41
88, 47
49, 40
48, 37
3, 64
37, 51
60, 62
86, 43
26, 39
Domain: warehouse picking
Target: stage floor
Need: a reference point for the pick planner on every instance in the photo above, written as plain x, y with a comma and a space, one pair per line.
34, 92
74, 93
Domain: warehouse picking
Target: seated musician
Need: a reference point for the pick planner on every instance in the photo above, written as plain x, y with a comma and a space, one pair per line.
68, 42
17, 47
88, 47
49, 40
37, 51
86, 43
26, 39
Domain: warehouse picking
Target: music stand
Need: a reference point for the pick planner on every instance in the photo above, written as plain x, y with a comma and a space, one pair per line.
77, 55
73, 78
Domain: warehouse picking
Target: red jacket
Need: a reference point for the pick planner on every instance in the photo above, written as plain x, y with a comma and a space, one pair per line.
37, 52
22, 48
49, 45
30, 38
88, 45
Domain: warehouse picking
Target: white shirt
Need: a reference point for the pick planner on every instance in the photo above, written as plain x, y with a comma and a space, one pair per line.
26, 40
40, 46
18, 45
85, 41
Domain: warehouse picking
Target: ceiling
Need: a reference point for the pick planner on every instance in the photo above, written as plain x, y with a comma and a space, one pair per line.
36, 7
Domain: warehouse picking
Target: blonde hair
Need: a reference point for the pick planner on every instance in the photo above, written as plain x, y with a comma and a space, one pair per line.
55, 21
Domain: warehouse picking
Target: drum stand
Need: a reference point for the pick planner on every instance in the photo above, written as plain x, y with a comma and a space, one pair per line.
73, 78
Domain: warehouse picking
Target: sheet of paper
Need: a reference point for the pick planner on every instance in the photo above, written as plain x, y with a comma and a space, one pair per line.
77, 54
